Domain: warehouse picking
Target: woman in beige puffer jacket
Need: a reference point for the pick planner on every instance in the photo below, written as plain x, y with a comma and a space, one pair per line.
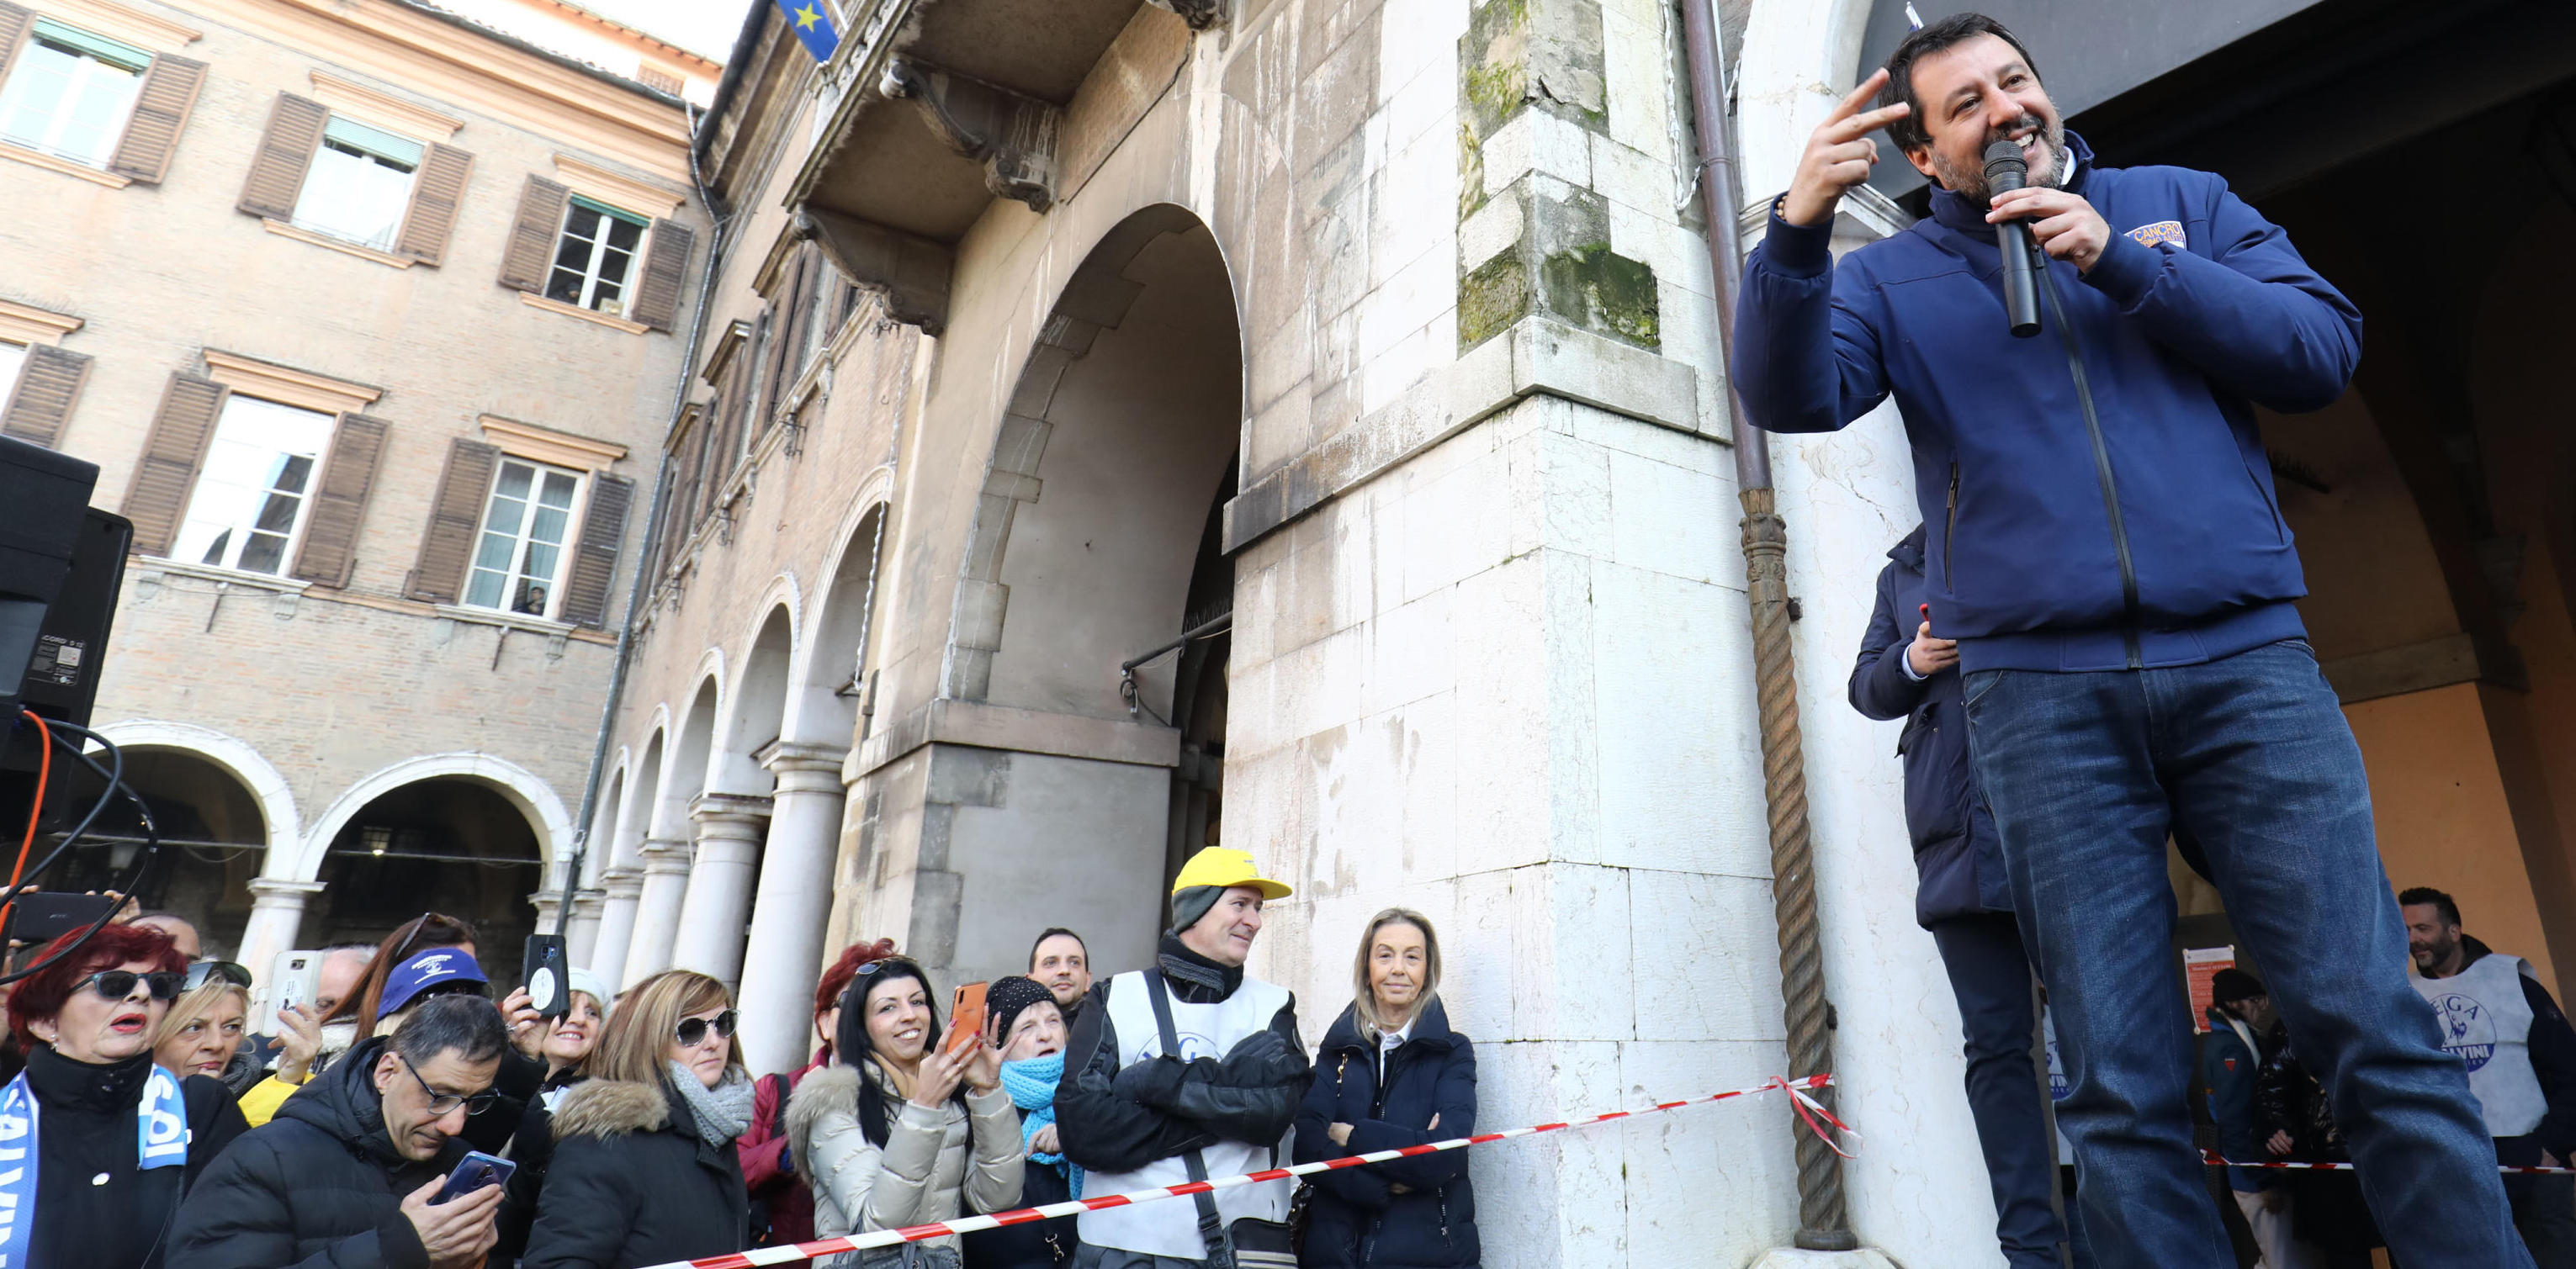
904, 1133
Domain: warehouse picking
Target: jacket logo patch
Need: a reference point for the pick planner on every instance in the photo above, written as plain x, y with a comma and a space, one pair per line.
2161, 231
2231, 1063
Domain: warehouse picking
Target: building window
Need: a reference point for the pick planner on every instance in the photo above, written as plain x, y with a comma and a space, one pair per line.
70, 94
518, 557
359, 185
258, 479
593, 256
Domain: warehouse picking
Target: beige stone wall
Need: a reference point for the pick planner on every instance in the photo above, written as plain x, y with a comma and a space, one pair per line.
330, 686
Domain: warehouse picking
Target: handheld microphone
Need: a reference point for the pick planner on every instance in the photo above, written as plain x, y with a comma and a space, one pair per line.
2006, 169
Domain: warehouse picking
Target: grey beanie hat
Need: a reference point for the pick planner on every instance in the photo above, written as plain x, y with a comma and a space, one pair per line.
1192, 902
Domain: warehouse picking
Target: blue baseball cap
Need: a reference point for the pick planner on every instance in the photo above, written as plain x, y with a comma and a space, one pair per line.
438, 969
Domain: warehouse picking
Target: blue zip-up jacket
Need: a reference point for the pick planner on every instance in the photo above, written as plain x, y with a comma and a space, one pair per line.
2197, 311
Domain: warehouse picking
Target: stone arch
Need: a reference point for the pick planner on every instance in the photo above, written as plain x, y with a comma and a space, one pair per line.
533, 797
827, 676
688, 760
635, 817
754, 714
601, 841
1115, 411
267, 785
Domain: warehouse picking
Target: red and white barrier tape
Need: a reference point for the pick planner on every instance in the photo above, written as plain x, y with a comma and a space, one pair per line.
2211, 1158
1808, 1109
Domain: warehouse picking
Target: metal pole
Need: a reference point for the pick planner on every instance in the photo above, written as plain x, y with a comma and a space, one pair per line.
1822, 1224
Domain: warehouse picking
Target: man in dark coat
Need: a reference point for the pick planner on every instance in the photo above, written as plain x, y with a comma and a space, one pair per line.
1961, 896
1417, 1213
342, 1178
2243, 1035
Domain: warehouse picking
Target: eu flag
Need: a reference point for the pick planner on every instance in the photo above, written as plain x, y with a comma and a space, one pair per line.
811, 20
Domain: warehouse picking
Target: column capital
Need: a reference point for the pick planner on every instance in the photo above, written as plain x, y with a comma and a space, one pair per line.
807, 768
665, 855
267, 892
740, 812
587, 903
621, 882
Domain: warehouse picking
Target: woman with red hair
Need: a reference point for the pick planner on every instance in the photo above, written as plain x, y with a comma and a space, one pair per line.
117, 1140
777, 1187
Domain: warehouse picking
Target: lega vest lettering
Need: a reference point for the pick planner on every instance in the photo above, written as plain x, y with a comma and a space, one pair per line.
2486, 1023
1172, 1228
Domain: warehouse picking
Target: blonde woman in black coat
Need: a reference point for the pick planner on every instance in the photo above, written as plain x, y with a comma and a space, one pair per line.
1390, 1074
644, 1170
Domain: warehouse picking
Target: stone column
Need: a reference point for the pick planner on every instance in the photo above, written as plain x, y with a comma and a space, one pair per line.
549, 905
795, 897
583, 933
619, 888
276, 921
718, 901
657, 909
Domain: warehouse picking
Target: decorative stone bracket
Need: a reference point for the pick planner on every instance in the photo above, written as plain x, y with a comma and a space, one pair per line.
1012, 135
1200, 14
909, 274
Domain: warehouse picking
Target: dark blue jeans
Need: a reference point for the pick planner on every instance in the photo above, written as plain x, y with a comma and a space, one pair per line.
1990, 975
2087, 774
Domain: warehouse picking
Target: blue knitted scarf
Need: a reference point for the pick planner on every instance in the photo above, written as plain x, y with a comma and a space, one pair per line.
1031, 1085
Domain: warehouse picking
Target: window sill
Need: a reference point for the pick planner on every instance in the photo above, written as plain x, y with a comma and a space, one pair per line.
386, 258
533, 300
496, 617
38, 158
228, 576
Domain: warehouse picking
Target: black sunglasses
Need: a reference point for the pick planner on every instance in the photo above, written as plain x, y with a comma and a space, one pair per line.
225, 971
117, 984
693, 1030
441, 1103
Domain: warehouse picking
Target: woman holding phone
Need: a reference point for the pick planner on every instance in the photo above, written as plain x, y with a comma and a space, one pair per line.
644, 1170
903, 1129
202, 1034
1390, 1074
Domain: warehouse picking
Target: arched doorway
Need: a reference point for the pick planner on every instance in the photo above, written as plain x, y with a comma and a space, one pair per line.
1090, 548
450, 844
213, 839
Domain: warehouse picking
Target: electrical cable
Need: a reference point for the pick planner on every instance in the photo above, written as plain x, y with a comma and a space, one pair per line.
35, 810
115, 777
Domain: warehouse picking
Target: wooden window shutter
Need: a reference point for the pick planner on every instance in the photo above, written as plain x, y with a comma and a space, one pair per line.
454, 518
277, 168
172, 453
161, 109
434, 198
48, 384
666, 270
330, 548
14, 22
532, 239
594, 561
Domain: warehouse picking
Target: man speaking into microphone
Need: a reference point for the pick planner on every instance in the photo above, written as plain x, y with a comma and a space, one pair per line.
2103, 541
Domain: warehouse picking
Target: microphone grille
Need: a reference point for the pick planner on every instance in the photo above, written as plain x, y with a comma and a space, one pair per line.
2004, 157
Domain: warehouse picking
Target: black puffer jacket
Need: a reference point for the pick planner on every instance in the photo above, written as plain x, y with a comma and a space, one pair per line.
632, 1183
1356, 1218
318, 1187
1116, 1120
94, 1206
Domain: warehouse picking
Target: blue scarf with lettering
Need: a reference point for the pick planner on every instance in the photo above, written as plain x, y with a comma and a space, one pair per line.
160, 1141
1031, 1085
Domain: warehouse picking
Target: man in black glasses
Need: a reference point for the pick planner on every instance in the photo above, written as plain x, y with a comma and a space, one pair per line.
346, 1173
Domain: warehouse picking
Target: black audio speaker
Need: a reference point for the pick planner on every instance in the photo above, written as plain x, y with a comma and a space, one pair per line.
61, 566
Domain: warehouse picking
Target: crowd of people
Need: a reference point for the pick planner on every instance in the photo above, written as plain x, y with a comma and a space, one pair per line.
409, 1119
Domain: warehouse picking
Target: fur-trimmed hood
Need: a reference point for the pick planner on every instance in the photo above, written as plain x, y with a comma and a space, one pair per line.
823, 1090
611, 1108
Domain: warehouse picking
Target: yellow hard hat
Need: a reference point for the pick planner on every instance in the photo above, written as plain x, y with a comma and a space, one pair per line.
1224, 867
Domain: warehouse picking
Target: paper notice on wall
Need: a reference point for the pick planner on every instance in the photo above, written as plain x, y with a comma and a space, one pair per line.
2200, 966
